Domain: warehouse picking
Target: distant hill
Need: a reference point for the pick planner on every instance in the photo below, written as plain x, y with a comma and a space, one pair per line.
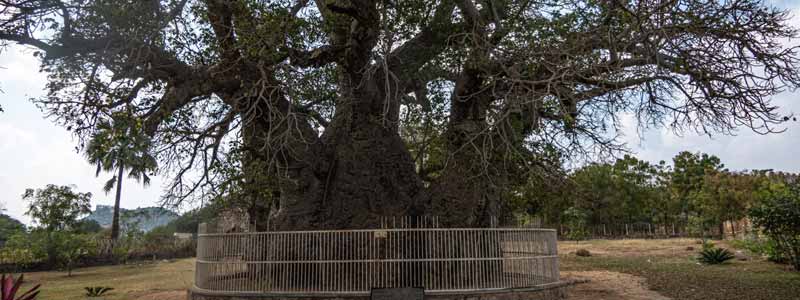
147, 217
8, 227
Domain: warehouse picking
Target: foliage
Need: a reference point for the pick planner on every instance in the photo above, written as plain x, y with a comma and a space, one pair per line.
31, 246
97, 291
715, 256
695, 193
158, 240
88, 226
778, 215
189, 221
8, 227
70, 248
10, 287
119, 144
57, 207
19, 257
56, 210
762, 246
576, 219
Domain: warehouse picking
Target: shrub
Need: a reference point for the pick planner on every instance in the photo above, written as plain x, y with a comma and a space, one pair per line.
70, 247
10, 287
97, 291
714, 256
19, 258
576, 219
158, 242
778, 215
762, 246
34, 243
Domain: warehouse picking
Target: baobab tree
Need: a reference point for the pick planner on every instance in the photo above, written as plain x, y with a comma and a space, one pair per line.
346, 110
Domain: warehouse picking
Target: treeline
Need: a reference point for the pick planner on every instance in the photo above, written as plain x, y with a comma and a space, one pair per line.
63, 238
696, 192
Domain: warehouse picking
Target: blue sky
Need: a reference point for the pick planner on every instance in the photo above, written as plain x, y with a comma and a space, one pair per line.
35, 152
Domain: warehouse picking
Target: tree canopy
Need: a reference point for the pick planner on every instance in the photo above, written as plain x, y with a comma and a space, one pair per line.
397, 107
57, 207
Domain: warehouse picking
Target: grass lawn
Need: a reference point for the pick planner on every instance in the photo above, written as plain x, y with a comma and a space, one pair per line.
162, 280
670, 269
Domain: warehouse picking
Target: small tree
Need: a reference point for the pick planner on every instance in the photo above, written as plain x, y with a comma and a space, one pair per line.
778, 215
576, 220
71, 247
56, 209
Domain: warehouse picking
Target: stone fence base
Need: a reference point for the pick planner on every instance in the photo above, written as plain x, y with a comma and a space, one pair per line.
553, 291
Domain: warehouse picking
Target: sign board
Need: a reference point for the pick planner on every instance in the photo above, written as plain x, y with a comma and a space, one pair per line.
406, 293
381, 234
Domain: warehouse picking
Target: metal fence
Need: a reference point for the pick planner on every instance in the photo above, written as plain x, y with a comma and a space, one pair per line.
354, 261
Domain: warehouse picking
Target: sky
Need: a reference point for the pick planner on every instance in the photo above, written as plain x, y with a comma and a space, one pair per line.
35, 152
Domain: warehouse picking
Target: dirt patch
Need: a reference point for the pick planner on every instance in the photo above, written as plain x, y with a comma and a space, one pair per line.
604, 285
168, 295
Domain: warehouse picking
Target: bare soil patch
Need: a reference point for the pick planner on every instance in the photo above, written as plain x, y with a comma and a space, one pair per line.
606, 285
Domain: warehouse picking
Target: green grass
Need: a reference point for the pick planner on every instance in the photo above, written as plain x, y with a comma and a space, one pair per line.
678, 275
129, 281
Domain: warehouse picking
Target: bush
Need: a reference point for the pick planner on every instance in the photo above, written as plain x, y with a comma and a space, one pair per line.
714, 256
33, 243
778, 215
19, 258
576, 219
97, 291
762, 246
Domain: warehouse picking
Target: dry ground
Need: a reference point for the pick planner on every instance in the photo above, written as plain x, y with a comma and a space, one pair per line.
163, 280
617, 270
605, 285
667, 268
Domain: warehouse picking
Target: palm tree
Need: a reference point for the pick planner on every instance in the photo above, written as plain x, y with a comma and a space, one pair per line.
119, 145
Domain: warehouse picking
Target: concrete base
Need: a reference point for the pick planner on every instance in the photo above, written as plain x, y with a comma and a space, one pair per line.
553, 291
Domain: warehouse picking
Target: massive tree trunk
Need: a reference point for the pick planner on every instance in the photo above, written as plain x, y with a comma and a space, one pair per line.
468, 192
358, 171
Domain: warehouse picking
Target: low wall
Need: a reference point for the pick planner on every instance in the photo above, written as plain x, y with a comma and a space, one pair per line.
553, 291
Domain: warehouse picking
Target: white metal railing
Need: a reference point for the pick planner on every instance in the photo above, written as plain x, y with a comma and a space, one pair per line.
354, 261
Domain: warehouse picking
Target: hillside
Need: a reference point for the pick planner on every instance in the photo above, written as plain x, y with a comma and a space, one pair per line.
147, 217
8, 227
